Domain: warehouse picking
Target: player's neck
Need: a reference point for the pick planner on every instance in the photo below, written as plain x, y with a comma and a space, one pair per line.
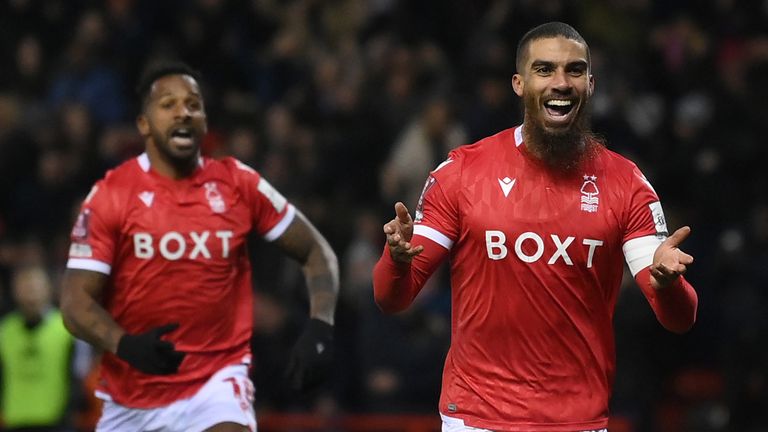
561, 153
172, 169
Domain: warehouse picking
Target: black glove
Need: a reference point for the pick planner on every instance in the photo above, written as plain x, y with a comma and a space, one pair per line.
311, 360
150, 354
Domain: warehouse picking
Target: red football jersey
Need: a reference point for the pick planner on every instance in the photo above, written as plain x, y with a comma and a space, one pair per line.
175, 251
536, 265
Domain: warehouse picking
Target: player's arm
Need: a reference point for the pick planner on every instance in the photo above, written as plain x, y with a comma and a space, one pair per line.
304, 243
86, 319
310, 363
83, 315
403, 267
672, 298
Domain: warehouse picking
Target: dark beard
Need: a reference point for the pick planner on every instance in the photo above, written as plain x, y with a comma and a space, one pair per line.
563, 152
183, 163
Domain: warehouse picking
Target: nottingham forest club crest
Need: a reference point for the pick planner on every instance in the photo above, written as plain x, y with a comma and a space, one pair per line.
215, 200
589, 192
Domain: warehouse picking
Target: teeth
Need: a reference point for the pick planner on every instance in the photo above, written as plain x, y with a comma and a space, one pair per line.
559, 102
182, 132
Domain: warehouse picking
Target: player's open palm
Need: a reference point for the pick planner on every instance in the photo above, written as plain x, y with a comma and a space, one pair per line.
399, 232
669, 262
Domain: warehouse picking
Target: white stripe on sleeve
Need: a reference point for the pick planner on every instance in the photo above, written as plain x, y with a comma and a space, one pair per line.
638, 252
281, 226
89, 264
434, 235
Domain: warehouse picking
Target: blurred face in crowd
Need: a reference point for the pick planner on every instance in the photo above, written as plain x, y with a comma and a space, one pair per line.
173, 122
32, 292
555, 83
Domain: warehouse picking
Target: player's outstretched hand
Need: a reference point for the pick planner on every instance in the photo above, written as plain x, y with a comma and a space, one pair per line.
311, 360
149, 353
399, 232
669, 262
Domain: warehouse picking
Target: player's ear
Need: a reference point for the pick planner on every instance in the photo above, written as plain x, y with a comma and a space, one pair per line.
518, 84
142, 125
591, 88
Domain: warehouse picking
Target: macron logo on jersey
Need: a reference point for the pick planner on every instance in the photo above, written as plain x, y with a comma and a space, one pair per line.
146, 197
506, 185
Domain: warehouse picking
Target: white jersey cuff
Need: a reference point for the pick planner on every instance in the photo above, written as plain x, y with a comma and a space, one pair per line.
434, 235
638, 252
89, 264
281, 226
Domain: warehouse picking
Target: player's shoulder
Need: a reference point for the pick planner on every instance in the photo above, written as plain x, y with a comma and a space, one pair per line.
617, 161
230, 165
122, 177
486, 147
477, 154
127, 169
624, 170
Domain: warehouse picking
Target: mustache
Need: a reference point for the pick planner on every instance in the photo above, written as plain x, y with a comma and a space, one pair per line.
565, 151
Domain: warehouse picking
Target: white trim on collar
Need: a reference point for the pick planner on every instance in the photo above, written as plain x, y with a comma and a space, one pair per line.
144, 163
519, 136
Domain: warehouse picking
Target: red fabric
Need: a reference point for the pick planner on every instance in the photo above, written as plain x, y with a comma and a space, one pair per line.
675, 306
177, 251
395, 285
536, 265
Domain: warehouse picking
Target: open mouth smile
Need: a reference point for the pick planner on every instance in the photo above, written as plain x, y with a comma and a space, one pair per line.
559, 110
182, 137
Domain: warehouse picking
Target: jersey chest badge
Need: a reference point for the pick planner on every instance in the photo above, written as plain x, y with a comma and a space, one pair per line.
215, 200
589, 192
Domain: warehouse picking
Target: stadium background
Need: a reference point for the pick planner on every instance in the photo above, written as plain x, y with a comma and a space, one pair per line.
346, 104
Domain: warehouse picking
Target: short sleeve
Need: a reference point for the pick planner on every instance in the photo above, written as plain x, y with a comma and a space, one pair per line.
271, 213
644, 214
95, 234
437, 213
645, 226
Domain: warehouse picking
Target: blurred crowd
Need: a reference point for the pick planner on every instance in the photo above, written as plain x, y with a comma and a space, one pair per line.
345, 105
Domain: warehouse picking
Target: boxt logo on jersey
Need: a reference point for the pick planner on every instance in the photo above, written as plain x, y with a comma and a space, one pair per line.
174, 245
496, 246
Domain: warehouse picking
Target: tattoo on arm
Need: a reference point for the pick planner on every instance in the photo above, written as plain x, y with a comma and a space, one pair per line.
306, 245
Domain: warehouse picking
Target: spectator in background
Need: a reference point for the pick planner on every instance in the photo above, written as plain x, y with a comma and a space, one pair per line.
36, 359
51, 184
86, 77
395, 364
423, 144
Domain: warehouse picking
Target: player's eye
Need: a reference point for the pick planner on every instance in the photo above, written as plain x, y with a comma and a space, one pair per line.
577, 69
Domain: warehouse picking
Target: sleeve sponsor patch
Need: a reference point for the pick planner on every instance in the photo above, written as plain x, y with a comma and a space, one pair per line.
80, 230
658, 218
79, 250
420, 205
